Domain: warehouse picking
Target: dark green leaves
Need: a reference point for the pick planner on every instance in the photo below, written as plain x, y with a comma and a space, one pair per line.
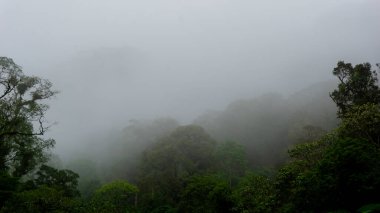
357, 86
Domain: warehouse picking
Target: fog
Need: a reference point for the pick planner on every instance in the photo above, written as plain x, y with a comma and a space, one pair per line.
118, 61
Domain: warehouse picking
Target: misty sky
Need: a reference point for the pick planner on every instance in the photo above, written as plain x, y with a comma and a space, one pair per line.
113, 61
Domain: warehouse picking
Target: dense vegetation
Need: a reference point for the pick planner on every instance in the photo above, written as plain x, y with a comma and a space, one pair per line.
269, 154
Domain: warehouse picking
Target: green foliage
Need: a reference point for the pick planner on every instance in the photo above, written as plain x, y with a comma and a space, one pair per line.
206, 193
22, 109
187, 170
8, 186
303, 158
357, 86
116, 187
370, 208
188, 150
49, 190
350, 171
28, 152
255, 193
117, 196
344, 177
341, 170
62, 180
309, 154
231, 160
164, 209
290, 179
362, 122
42, 199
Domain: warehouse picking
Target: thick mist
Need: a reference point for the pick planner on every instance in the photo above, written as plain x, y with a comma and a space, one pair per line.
116, 62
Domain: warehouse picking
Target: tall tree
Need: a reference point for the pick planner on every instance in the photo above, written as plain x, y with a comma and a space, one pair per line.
62, 180
22, 110
358, 86
231, 160
255, 193
362, 122
117, 196
187, 151
206, 194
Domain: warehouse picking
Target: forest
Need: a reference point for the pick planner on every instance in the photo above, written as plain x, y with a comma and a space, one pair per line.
317, 150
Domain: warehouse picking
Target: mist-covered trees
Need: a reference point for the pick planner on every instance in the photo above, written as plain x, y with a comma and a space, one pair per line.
160, 166
119, 157
89, 180
231, 161
341, 170
187, 151
268, 125
186, 170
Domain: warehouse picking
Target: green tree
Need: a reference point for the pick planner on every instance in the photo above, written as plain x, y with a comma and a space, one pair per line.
348, 175
22, 110
332, 173
340, 170
292, 178
122, 156
306, 133
117, 196
206, 193
231, 160
357, 86
62, 180
43, 199
362, 122
255, 193
187, 151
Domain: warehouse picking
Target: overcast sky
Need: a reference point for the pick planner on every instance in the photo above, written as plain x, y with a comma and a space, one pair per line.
114, 60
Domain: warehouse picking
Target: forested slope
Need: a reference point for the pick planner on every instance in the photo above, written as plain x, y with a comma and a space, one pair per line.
315, 151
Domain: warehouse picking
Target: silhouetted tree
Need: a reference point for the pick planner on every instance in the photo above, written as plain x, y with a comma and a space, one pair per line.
357, 86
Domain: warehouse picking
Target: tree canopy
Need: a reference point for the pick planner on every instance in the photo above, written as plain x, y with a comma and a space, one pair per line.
22, 110
358, 85
23, 151
164, 167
